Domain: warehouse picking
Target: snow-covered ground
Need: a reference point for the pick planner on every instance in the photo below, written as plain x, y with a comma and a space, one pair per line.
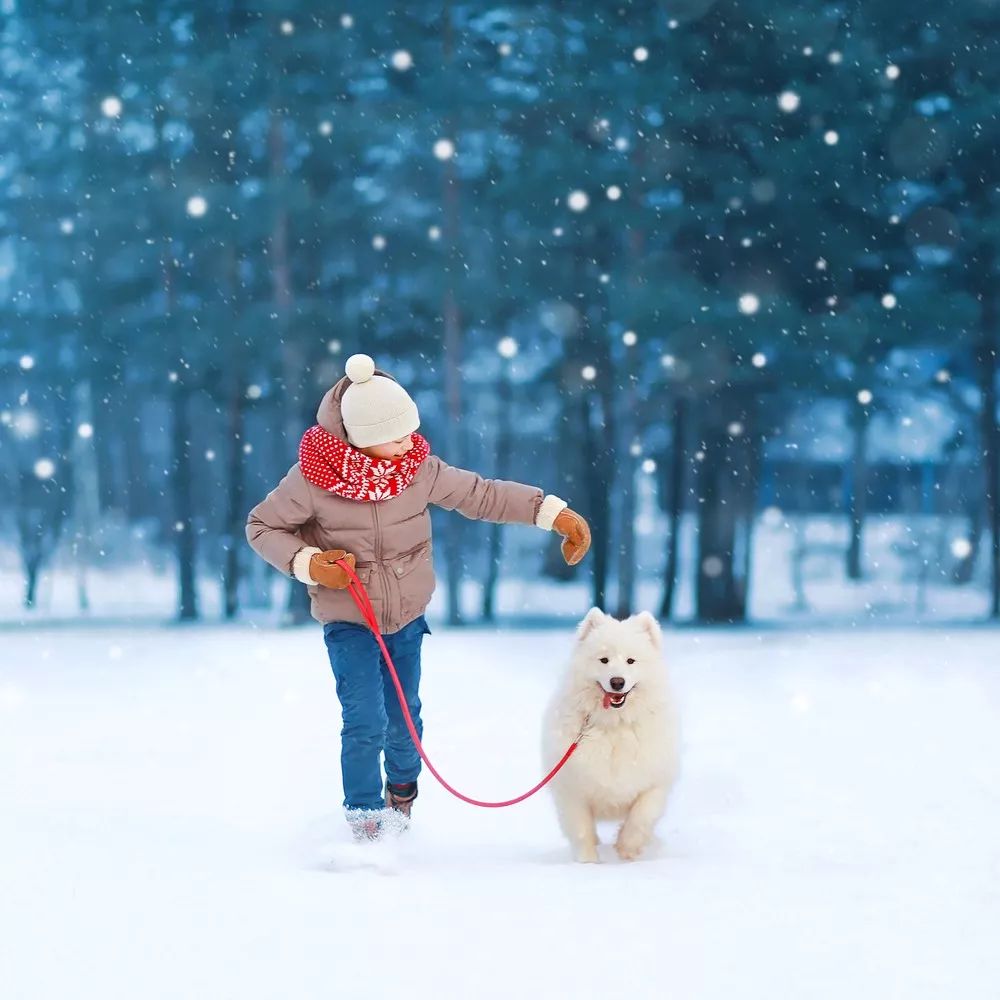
170, 825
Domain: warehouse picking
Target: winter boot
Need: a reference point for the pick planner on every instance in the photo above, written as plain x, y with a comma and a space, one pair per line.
400, 797
366, 824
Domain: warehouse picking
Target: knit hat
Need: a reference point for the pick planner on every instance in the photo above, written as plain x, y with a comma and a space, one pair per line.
375, 409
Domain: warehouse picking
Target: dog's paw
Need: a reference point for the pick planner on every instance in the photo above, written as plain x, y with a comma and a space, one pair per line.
630, 844
587, 854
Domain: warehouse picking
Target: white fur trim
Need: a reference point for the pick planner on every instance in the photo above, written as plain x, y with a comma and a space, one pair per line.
300, 564
549, 511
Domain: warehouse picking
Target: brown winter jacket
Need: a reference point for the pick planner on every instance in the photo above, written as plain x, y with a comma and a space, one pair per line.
390, 538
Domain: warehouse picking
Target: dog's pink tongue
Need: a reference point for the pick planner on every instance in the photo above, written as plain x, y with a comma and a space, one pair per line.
607, 699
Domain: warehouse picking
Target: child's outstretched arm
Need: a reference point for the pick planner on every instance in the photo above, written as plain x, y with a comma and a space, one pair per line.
507, 503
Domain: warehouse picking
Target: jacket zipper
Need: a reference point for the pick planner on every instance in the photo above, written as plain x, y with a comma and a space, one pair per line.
378, 559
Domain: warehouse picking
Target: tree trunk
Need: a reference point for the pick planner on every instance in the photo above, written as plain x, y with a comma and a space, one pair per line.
675, 508
596, 491
504, 448
40, 516
857, 491
31, 583
800, 543
187, 596
86, 491
453, 442
452, 355
990, 429
751, 448
293, 355
235, 480
236, 494
182, 483
962, 572
626, 399
625, 481
724, 497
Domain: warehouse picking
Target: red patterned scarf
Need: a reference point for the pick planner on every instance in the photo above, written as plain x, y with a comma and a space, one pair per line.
338, 467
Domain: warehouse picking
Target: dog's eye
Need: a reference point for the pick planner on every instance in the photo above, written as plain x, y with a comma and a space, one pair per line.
604, 659
630, 660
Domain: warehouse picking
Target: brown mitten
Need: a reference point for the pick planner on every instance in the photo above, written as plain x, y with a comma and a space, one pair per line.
576, 535
324, 570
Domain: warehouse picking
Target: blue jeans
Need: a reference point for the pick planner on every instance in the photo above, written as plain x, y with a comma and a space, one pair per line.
373, 721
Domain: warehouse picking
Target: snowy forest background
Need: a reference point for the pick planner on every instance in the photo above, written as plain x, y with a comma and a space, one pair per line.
721, 274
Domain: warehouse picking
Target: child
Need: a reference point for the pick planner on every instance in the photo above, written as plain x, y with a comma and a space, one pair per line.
360, 492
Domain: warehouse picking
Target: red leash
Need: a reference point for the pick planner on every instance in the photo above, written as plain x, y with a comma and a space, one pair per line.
357, 590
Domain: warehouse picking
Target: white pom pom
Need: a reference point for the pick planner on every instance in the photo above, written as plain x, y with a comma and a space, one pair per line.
359, 368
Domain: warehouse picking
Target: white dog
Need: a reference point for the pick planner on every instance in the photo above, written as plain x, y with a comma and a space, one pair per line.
617, 691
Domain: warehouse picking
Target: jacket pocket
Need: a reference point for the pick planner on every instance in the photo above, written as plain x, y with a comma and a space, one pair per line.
414, 574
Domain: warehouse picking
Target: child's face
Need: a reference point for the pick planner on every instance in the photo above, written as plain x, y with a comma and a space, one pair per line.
391, 449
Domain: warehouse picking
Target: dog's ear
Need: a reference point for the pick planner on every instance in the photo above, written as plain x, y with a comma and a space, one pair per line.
593, 618
648, 624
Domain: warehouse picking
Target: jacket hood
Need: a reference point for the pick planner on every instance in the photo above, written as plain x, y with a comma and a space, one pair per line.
328, 415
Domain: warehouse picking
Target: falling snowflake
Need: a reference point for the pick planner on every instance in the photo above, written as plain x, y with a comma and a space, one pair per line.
749, 303
712, 566
507, 347
578, 201
789, 101
402, 60
961, 548
444, 149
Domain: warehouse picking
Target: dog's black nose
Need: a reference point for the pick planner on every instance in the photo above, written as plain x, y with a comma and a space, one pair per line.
617, 683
